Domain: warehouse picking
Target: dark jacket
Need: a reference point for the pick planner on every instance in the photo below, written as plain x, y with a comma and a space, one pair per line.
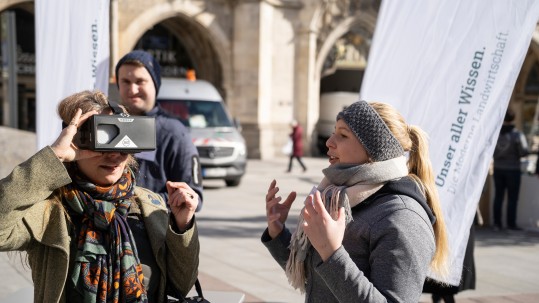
386, 251
175, 158
510, 147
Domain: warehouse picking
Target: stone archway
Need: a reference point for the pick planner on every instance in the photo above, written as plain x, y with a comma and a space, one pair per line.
365, 21
205, 41
324, 24
27, 5
361, 23
198, 47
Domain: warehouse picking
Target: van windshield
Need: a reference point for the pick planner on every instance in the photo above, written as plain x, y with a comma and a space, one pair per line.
198, 114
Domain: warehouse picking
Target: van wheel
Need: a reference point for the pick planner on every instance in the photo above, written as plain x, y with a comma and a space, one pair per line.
232, 182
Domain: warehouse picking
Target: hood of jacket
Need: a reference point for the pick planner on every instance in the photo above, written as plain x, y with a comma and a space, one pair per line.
404, 186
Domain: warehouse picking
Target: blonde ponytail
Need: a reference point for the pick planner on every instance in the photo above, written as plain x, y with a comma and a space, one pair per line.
414, 141
420, 169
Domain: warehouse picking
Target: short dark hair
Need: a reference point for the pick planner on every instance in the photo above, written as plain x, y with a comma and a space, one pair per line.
509, 115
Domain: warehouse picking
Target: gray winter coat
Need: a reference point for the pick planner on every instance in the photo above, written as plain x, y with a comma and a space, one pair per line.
385, 255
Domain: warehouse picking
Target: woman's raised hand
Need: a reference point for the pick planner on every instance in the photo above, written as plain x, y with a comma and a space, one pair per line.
64, 148
276, 212
324, 232
183, 202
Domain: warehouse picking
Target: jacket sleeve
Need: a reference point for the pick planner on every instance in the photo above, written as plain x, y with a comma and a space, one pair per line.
278, 247
183, 163
29, 183
400, 256
183, 258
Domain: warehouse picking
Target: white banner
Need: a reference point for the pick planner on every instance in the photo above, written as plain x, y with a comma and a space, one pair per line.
450, 67
72, 54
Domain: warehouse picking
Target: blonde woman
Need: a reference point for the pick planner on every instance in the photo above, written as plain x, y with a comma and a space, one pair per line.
374, 228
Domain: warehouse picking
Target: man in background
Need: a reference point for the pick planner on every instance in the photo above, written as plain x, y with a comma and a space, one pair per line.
510, 147
138, 76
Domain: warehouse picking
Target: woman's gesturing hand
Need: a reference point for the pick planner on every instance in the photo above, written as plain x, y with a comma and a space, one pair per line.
276, 212
324, 232
183, 202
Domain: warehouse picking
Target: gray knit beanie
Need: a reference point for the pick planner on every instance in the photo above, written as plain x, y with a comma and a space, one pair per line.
371, 131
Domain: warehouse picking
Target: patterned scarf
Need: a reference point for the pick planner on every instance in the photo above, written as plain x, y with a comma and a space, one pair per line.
107, 267
344, 185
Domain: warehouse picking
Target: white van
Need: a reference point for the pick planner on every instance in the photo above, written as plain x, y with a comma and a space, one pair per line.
200, 107
330, 105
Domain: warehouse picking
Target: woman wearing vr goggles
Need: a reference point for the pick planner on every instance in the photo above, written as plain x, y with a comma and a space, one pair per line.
92, 235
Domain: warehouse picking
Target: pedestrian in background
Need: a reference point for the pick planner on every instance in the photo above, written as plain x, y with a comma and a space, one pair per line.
374, 227
510, 147
90, 233
138, 76
297, 145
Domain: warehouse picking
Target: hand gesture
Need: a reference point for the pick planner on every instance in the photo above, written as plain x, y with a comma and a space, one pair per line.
183, 202
64, 148
276, 213
324, 232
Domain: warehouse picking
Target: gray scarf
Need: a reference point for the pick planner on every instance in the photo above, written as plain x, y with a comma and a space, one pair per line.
344, 185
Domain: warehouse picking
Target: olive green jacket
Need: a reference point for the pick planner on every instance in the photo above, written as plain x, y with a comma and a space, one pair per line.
30, 221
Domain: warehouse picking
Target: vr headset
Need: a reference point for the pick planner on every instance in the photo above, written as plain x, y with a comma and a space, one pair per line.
118, 132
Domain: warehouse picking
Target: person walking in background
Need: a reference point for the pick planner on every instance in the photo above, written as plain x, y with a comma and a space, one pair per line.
90, 233
297, 145
374, 227
510, 147
138, 76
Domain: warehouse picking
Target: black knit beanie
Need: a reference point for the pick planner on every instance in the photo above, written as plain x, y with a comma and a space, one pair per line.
371, 131
149, 62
